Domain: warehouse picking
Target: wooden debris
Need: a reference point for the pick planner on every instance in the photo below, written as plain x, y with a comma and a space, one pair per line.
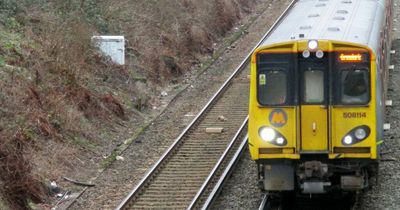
214, 130
79, 183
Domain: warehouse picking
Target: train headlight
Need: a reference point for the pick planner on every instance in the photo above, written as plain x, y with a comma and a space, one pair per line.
267, 134
272, 136
356, 135
360, 133
280, 140
348, 140
312, 44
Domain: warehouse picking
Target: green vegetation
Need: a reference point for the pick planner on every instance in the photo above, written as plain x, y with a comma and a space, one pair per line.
2, 62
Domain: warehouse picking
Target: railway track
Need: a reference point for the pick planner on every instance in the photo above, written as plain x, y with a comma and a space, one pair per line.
212, 187
188, 174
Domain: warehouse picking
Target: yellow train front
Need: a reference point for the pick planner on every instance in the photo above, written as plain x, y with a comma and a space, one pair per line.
317, 97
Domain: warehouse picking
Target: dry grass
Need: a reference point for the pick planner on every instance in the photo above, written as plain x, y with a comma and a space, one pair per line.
166, 38
58, 91
46, 101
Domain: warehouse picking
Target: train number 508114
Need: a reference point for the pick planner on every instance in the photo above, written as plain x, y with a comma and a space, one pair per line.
354, 115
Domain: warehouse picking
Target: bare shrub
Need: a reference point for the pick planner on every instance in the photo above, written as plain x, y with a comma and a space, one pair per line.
225, 15
19, 185
200, 39
114, 105
245, 5
68, 59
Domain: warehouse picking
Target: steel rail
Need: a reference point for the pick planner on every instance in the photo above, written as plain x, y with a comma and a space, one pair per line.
229, 169
218, 165
264, 202
221, 90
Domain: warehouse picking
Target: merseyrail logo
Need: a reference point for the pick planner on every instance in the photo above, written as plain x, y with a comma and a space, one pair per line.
278, 118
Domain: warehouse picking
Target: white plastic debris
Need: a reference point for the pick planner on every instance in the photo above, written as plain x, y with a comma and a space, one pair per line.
164, 93
120, 158
53, 184
54, 187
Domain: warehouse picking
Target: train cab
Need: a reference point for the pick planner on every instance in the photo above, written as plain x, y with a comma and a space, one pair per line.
316, 110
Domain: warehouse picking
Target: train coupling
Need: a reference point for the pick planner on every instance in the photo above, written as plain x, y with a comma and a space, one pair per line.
313, 187
313, 175
312, 169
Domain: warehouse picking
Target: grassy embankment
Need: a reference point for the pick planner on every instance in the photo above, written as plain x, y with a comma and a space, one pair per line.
60, 99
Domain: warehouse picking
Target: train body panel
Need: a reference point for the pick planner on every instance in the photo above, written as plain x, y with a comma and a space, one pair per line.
357, 22
317, 96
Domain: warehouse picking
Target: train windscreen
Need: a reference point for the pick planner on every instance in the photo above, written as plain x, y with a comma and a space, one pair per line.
352, 73
275, 79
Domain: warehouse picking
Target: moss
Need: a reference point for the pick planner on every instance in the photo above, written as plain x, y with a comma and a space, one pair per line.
110, 159
9, 40
11, 46
118, 150
12, 24
2, 61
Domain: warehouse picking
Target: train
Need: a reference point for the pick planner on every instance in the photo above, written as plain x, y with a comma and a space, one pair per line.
317, 99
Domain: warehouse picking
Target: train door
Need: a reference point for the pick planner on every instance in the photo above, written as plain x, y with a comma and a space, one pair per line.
314, 115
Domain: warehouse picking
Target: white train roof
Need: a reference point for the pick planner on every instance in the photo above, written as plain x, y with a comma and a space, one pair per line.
356, 21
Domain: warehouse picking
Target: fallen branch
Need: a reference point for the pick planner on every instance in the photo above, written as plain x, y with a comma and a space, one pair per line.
79, 183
